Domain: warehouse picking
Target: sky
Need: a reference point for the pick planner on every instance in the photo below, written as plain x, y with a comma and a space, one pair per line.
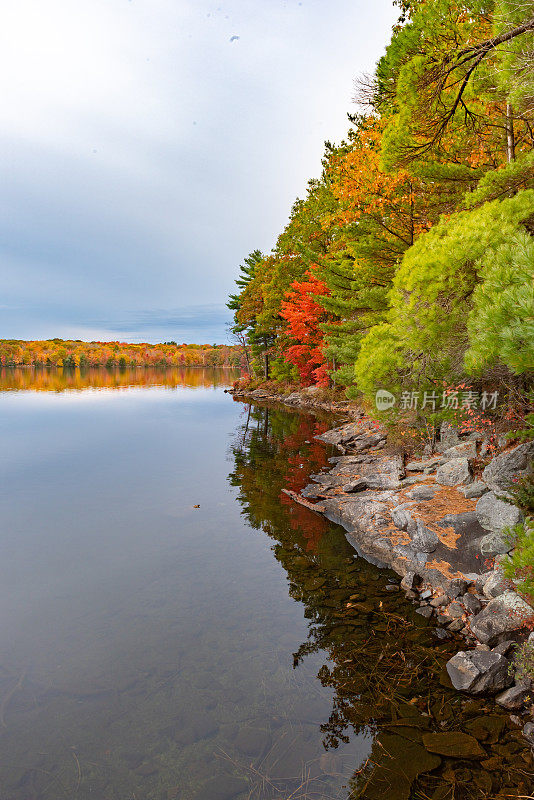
149, 145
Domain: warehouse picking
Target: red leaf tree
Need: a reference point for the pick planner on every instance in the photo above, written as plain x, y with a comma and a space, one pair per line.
304, 315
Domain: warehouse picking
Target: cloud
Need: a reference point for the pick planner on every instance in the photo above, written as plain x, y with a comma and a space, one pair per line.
144, 157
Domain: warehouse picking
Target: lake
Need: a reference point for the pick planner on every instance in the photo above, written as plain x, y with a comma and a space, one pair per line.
173, 626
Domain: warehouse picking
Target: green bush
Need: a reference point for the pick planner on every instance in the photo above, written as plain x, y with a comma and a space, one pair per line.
426, 334
524, 662
520, 567
501, 323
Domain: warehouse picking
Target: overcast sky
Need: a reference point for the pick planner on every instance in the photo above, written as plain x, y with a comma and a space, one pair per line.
149, 145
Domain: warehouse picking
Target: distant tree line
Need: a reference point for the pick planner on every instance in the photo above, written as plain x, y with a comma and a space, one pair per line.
75, 353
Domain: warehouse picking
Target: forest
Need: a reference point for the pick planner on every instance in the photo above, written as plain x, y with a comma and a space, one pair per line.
67, 353
408, 265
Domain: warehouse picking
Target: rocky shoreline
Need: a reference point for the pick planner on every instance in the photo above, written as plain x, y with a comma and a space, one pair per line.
439, 522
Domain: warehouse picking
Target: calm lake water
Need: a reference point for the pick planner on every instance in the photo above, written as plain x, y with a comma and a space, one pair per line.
172, 626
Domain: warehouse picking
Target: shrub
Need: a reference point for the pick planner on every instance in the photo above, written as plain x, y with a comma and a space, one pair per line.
426, 333
524, 662
501, 323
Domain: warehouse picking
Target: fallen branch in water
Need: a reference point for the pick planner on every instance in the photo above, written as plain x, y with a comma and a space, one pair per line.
318, 507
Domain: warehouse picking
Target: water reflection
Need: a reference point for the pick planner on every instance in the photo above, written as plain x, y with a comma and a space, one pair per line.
384, 664
52, 379
147, 630
157, 644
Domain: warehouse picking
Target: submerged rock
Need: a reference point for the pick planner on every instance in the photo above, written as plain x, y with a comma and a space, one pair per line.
398, 762
425, 611
453, 744
253, 741
222, 787
479, 671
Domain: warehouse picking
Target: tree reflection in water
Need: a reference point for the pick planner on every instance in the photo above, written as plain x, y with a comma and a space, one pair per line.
384, 663
65, 379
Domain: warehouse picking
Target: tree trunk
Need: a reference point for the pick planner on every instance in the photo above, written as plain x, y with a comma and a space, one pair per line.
266, 365
510, 143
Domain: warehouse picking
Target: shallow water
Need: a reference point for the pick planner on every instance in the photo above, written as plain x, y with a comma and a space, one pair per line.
155, 650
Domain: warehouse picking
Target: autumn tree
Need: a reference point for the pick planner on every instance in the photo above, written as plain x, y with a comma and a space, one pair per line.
304, 315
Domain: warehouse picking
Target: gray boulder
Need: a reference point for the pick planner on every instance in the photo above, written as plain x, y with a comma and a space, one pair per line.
292, 398
504, 647
422, 492
363, 442
496, 584
501, 471
495, 544
515, 697
479, 671
457, 587
464, 450
448, 437
455, 471
471, 603
502, 616
424, 540
338, 435
440, 600
425, 611
388, 475
429, 463
415, 466
355, 486
476, 489
455, 610
528, 733
410, 581
466, 525
402, 517
495, 515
